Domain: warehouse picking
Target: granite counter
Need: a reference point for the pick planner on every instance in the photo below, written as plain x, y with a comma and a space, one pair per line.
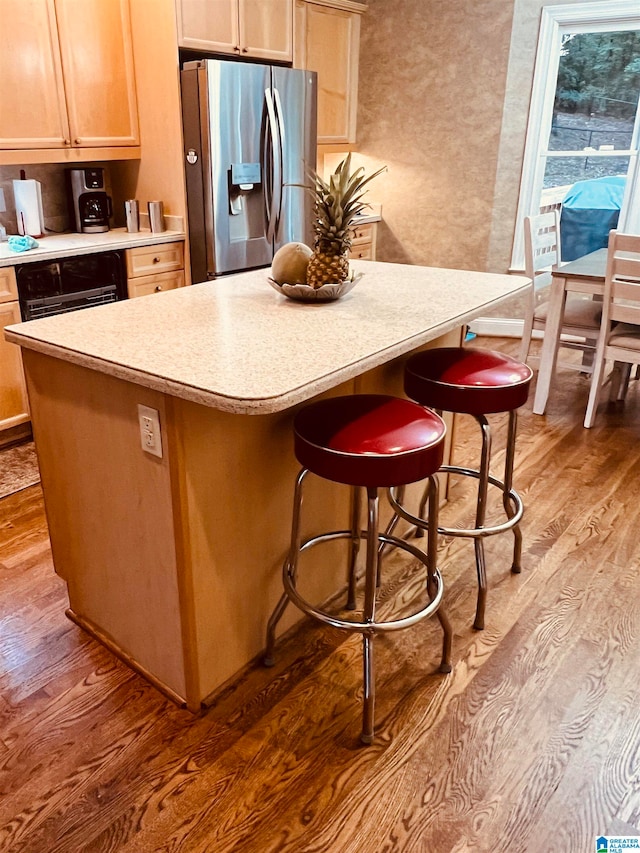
237, 345
55, 246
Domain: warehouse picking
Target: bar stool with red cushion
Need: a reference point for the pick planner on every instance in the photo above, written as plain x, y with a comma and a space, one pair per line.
477, 382
372, 442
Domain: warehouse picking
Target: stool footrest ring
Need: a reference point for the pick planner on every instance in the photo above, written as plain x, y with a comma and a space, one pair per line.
374, 626
473, 532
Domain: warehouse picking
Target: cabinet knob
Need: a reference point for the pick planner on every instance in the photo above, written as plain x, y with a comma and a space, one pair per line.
156, 260
67, 142
76, 141
245, 50
236, 47
158, 288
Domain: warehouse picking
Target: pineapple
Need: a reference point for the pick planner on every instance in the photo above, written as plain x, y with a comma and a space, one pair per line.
337, 203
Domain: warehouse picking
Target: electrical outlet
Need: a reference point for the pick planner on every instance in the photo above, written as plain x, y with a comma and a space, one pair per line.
150, 435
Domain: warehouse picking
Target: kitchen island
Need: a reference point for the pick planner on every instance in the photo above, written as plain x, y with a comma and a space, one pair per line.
174, 560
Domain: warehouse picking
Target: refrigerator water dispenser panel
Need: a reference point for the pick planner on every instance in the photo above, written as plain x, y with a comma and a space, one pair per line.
243, 178
245, 175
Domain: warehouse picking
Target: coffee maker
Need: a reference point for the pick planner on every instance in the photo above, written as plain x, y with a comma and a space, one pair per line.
90, 206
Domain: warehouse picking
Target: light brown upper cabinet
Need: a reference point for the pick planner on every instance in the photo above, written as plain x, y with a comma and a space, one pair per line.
261, 29
68, 80
328, 41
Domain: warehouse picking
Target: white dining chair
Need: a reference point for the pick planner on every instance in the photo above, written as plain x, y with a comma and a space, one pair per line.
619, 339
581, 320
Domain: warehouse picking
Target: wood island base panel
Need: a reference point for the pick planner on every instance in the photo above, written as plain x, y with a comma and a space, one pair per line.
174, 561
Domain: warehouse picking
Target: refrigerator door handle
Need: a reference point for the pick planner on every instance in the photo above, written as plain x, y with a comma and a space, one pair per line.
267, 170
275, 204
283, 148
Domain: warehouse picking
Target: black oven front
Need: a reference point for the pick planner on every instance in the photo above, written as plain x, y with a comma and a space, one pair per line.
69, 284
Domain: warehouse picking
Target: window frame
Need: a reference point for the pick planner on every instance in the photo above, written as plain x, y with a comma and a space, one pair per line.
602, 16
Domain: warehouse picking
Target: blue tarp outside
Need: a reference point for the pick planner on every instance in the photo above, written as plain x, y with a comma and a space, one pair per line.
589, 211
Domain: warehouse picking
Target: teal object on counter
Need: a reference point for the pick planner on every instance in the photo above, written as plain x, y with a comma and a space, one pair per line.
21, 244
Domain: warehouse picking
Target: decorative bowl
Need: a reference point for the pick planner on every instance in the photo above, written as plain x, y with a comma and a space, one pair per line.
326, 293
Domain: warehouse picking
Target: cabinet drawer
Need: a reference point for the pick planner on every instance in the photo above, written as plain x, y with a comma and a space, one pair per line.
144, 285
364, 252
8, 286
362, 233
145, 260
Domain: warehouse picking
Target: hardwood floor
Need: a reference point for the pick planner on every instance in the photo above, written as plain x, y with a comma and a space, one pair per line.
532, 743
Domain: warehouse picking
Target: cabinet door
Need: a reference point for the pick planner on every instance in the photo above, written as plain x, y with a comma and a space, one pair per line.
266, 29
8, 285
210, 25
317, 26
14, 409
97, 63
33, 112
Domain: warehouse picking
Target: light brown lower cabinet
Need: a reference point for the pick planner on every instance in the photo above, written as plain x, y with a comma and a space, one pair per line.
363, 242
14, 406
152, 269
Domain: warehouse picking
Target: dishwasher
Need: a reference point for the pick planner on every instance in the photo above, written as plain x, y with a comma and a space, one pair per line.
53, 287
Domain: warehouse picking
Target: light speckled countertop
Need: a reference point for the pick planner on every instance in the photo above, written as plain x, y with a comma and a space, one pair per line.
236, 344
65, 245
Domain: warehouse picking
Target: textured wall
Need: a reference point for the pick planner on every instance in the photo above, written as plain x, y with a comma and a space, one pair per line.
444, 101
432, 87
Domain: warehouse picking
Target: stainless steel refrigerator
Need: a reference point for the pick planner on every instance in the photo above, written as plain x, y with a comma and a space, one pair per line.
250, 140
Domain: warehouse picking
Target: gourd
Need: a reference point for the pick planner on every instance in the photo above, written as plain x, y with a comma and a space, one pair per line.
290, 262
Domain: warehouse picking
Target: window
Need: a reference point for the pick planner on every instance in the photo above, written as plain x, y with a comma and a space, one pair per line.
584, 115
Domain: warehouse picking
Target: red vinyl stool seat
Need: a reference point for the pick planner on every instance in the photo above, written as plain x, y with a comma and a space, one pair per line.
466, 380
374, 442
477, 382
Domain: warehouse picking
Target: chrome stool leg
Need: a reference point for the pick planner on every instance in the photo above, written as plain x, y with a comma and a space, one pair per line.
355, 547
432, 571
419, 531
509, 505
369, 615
369, 695
481, 512
290, 568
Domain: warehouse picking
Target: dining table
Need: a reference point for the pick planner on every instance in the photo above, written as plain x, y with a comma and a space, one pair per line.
583, 275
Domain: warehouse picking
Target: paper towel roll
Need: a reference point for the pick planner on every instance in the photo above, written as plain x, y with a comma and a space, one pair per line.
28, 197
